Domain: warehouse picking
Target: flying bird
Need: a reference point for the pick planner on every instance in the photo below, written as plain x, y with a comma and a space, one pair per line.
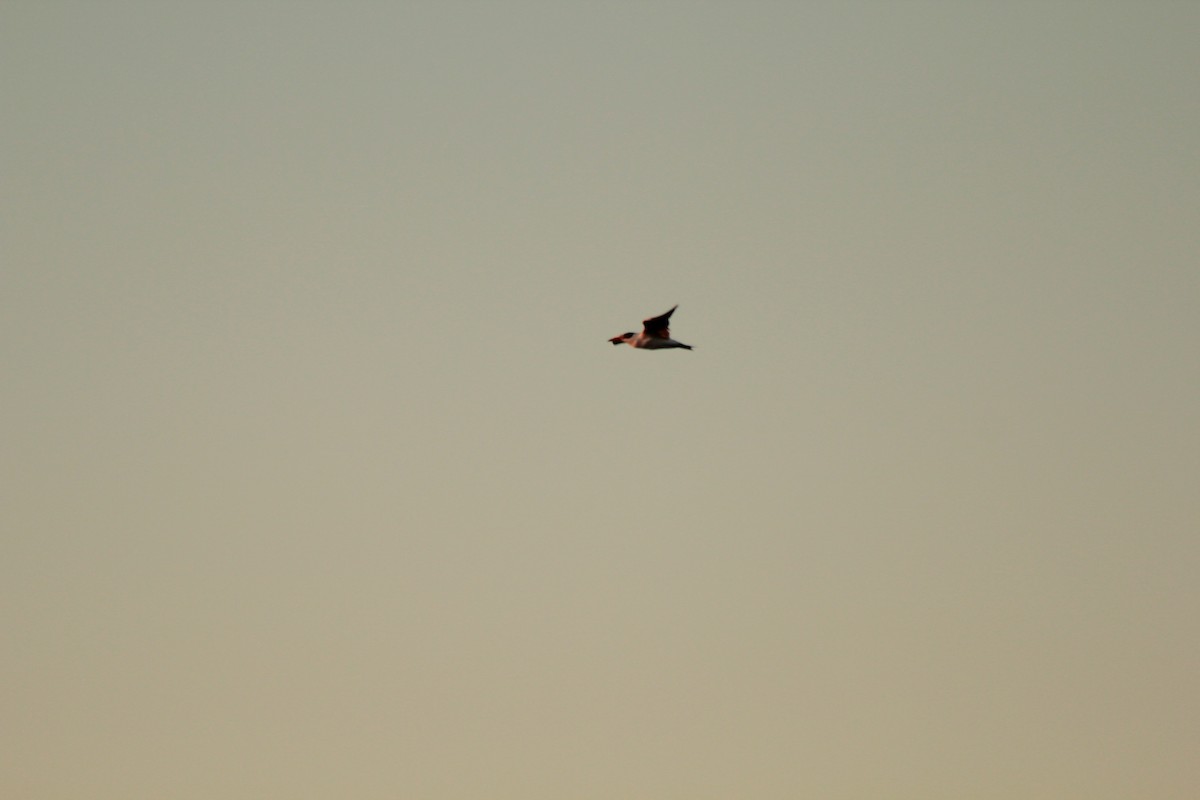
655, 335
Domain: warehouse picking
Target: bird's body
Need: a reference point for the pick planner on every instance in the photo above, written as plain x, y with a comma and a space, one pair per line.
655, 335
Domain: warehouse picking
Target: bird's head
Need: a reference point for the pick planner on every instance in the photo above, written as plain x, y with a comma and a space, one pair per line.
623, 338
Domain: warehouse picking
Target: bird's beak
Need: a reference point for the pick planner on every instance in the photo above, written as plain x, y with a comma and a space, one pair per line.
617, 340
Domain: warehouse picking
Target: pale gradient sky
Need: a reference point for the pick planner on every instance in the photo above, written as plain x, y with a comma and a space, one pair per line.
321, 481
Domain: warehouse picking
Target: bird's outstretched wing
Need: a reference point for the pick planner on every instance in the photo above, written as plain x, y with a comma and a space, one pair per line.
659, 327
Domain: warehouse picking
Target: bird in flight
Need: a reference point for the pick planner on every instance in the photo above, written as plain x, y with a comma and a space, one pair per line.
655, 335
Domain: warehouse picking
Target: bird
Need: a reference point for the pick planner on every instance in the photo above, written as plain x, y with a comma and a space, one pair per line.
655, 335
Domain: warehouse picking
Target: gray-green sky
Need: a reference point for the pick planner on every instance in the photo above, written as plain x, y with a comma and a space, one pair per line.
320, 479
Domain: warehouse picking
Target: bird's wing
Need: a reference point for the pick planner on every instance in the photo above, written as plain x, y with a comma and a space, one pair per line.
659, 327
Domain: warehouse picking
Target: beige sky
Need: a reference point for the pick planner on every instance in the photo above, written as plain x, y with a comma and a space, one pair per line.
321, 480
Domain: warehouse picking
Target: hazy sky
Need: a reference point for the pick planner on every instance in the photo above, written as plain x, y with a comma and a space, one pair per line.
320, 479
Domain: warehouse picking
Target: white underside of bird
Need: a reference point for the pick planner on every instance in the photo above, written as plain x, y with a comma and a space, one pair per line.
654, 343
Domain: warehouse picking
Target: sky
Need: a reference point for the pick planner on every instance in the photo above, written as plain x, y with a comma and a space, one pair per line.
320, 479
